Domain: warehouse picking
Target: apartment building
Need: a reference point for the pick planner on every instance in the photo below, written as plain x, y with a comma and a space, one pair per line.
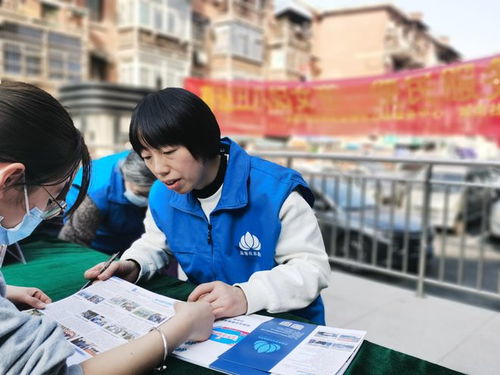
289, 44
153, 42
110, 52
236, 40
371, 40
133, 42
157, 43
43, 42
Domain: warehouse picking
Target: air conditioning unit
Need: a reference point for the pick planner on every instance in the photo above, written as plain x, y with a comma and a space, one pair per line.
200, 57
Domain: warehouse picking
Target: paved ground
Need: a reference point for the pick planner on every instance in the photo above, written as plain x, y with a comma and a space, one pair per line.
462, 337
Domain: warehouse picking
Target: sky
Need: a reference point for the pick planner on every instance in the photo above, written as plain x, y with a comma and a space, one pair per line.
473, 26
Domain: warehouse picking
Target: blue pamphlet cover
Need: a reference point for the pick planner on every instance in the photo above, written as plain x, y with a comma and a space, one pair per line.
264, 347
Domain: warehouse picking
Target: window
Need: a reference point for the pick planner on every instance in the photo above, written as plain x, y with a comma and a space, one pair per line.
64, 65
95, 10
169, 17
144, 13
154, 71
222, 39
245, 41
33, 62
171, 23
74, 68
12, 58
22, 55
56, 65
181, 14
158, 18
63, 41
20, 32
257, 49
277, 59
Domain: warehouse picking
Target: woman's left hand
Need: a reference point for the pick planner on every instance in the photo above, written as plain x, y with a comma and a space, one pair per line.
226, 300
22, 297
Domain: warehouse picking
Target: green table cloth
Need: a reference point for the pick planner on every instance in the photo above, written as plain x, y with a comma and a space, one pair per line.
57, 268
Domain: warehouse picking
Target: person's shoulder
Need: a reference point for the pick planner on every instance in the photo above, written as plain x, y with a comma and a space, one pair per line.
259, 166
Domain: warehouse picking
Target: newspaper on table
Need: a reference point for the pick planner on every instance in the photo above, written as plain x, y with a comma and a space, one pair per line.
110, 313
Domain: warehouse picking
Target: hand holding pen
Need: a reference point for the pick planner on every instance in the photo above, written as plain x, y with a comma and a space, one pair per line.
101, 270
124, 269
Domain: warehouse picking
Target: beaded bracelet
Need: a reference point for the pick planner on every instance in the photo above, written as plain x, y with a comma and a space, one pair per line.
163, 365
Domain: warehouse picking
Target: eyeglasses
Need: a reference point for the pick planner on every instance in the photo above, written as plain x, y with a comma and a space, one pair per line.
54, 208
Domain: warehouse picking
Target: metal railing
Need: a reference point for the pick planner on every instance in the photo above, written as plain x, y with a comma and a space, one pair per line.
428, 225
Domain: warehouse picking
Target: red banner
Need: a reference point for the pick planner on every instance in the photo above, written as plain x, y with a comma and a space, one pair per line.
461, 98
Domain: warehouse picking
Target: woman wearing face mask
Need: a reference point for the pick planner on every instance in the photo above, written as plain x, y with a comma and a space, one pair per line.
111, 216
40, 151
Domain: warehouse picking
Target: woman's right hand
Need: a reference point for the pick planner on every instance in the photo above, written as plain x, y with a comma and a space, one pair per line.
125, 269
198, 317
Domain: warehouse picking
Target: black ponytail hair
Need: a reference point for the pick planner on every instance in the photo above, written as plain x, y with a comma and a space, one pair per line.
37, 131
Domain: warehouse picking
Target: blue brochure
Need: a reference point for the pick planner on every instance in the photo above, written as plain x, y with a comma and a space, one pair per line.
264, 347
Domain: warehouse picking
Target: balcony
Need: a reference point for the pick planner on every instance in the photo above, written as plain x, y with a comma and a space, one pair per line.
246, 11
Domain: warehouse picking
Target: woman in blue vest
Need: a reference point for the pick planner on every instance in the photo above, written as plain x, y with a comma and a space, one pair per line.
240, 226
111, 217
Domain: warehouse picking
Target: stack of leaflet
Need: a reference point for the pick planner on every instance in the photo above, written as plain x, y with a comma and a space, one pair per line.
259, 345
110, 313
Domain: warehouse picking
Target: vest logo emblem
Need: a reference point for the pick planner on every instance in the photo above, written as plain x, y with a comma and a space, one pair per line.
249, 245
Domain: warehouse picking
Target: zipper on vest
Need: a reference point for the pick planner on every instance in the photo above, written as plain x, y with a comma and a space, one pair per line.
209, 236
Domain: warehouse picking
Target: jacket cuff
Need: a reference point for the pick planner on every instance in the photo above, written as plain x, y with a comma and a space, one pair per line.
255, 295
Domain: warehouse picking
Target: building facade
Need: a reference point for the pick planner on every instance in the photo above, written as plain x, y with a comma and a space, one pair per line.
136, 46
43, 42
157, 43
371, 40
51, 43
235, 37
289, 44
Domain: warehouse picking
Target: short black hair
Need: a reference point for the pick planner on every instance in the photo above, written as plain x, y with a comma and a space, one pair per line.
175, 117
38, 132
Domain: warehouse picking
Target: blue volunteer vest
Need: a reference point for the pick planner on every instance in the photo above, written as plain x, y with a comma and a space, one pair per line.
122, 222
244, 227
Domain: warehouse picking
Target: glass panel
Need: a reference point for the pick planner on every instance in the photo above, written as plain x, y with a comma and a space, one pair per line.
12, 58
56, 65
33, 65
171, 22
95, 9
23, 32
64, 41
158, 17
144, 14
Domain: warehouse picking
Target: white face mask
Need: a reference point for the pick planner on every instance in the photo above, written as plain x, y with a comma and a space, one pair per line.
137, 200
30, 221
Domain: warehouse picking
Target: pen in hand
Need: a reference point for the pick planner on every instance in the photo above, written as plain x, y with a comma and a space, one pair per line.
103, 268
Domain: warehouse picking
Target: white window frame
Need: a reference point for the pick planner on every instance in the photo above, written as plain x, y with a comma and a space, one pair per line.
174, 16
